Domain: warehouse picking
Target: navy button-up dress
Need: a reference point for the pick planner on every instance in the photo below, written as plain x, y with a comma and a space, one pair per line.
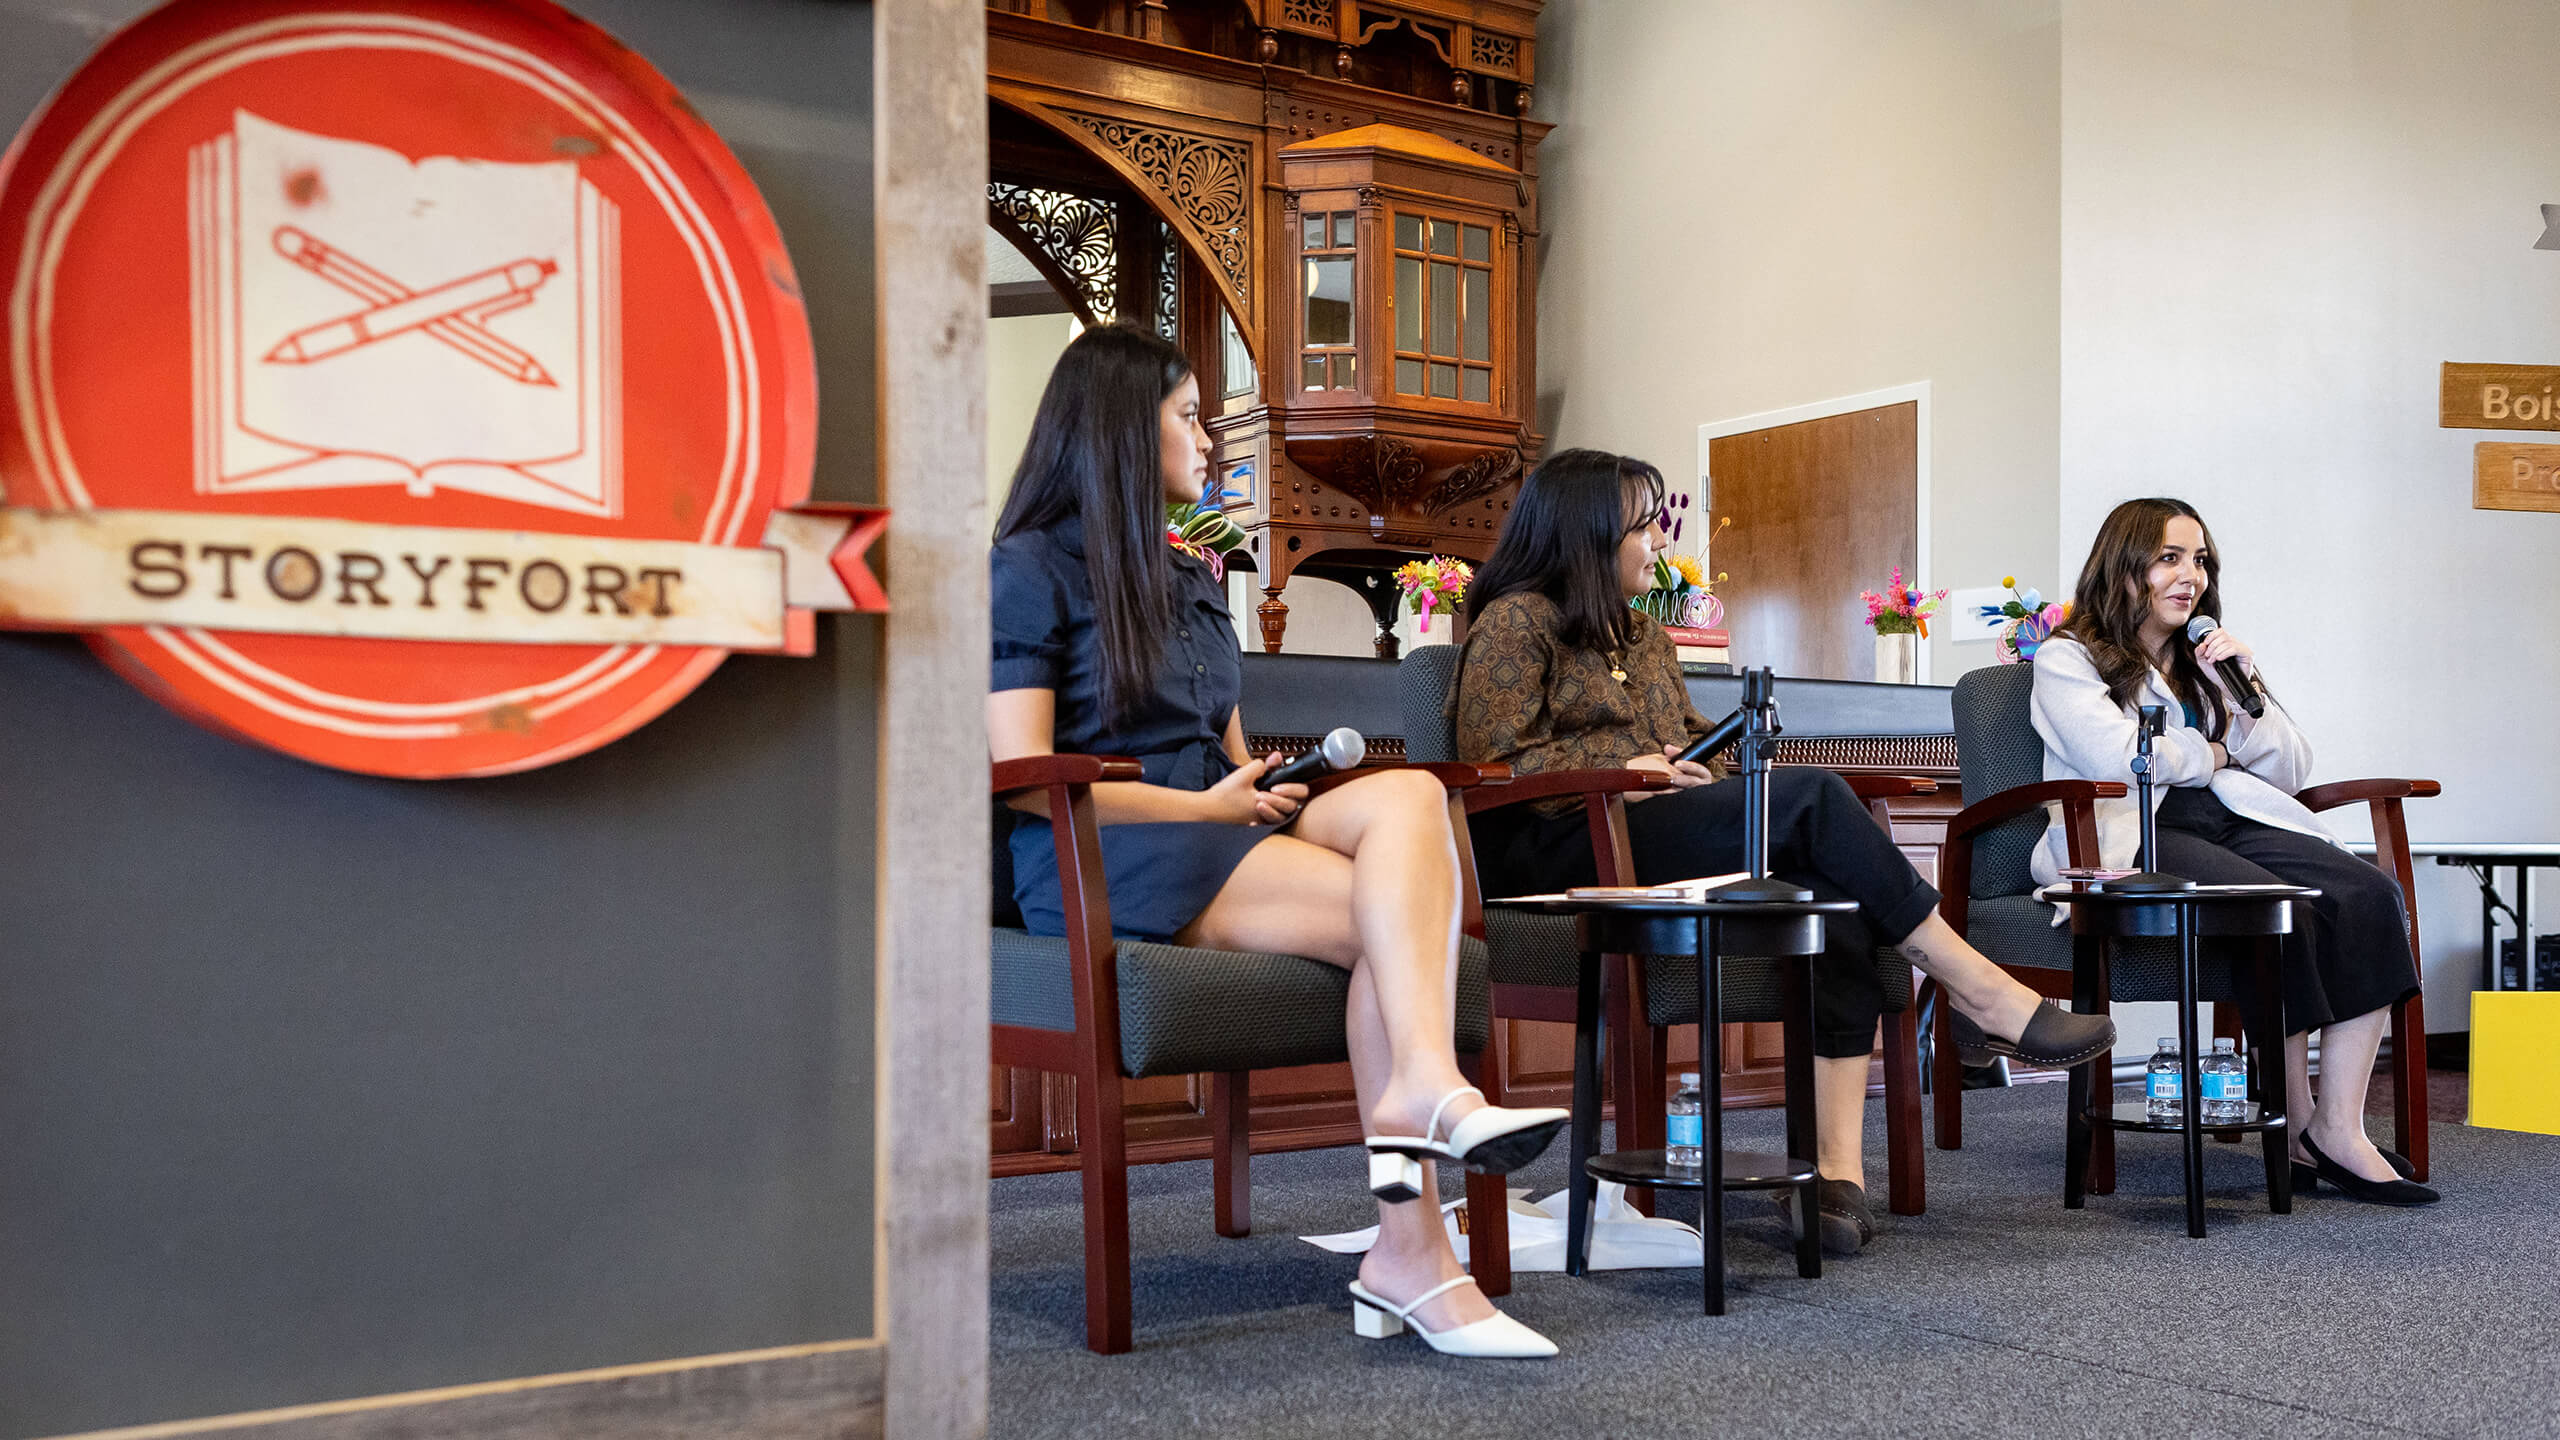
1161, 876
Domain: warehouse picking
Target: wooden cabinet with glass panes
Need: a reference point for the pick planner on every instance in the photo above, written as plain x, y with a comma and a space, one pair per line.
1392, 427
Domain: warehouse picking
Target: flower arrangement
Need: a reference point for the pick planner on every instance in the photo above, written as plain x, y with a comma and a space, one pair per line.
1439, 581
2030, 619
1900, 610
1682, 594
1202, 531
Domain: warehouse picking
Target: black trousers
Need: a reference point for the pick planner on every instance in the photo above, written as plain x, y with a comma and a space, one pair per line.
1820, 837
2348, 954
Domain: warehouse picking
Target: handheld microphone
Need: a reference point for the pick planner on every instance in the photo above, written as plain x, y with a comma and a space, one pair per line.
2242, 685
1341, 750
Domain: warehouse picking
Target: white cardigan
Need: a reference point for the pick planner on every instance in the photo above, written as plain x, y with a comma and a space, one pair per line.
2089, 737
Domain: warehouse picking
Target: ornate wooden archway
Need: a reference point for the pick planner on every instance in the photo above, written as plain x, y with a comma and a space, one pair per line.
1161, 125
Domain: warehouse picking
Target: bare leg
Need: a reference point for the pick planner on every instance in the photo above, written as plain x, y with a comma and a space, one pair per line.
1982, 990
2299, 1107
1840, 1115
1369, 882
1412, 1253
2347, 1051
1404, 907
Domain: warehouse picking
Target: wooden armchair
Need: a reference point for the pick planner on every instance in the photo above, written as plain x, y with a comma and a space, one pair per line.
1987, 896
1105, 1010
1535, 962
2409, 1017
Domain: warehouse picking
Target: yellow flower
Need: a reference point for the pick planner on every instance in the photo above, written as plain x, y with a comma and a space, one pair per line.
1689, 568
2008, 582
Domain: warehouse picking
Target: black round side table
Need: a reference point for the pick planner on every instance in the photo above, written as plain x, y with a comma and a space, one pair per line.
1790, 932
2099, 918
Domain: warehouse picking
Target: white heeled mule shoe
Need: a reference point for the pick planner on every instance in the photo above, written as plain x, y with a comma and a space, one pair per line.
1496, 1337
1493, 1139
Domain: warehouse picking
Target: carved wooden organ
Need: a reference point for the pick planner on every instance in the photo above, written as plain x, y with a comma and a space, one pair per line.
1328, 204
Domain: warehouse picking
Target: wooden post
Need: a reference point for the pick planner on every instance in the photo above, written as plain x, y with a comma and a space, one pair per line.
930, 176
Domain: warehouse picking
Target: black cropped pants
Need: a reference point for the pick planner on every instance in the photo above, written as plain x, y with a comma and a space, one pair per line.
2348, 954
1820, 837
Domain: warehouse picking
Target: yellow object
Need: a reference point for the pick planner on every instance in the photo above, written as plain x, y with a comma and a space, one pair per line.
2515, 1060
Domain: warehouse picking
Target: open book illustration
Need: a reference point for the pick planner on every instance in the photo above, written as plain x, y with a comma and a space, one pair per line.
1689, 891
365, 319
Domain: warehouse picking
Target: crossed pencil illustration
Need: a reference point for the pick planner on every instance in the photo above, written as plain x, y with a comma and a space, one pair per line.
451, 313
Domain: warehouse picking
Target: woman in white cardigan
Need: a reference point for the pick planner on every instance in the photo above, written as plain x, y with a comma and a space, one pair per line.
2226, 815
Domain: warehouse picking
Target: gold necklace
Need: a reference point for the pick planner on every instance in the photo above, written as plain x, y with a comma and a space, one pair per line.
1617, 669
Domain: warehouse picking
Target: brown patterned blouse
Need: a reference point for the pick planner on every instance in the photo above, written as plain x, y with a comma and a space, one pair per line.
1524, 698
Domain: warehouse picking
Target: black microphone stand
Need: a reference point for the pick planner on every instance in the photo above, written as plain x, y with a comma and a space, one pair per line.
1759, 743
2147, 880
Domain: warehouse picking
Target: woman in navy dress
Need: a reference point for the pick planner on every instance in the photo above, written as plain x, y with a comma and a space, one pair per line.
1108, 641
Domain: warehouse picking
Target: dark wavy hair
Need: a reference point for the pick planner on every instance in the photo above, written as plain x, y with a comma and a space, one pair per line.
1097, 450
2113, 598
1562, 539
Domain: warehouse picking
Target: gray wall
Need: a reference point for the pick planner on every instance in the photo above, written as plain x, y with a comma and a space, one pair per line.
314, 1085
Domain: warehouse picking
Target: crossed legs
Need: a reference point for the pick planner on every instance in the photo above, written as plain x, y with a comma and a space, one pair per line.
1368, 880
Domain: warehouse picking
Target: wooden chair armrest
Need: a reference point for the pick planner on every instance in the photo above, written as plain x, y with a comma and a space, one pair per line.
2390, 829
1520, 789
2018, 800
1451, 775
1888, 787
1038, 772
2356, 792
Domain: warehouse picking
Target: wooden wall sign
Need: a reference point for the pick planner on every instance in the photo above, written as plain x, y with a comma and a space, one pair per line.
418, 388
2511, 476
2500, 397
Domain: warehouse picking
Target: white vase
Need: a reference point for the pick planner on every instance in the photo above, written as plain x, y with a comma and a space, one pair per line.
1898, 659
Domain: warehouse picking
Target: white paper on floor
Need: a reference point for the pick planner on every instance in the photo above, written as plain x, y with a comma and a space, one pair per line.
1622, 1237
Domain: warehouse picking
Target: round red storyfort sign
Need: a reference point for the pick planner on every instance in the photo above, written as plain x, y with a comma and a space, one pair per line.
420, 377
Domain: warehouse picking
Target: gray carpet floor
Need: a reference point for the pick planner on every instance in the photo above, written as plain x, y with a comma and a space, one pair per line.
1997, 1313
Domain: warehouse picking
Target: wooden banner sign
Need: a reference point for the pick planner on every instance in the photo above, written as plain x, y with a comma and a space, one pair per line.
290, 576
416, 386
2500, 397
2511, 476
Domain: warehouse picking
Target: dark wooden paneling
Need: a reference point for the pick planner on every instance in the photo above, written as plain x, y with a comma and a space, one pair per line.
1821, 510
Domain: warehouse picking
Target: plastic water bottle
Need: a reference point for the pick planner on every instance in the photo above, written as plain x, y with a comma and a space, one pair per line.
2161, 1084
1685, 1136
2225, 1082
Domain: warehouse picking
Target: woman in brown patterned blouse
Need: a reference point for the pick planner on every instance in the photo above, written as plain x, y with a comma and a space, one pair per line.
1560, 673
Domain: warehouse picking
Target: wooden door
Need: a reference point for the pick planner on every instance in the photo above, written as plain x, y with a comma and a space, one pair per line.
1821, 509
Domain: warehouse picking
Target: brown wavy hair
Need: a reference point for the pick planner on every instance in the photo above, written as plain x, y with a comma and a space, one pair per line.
2114, 597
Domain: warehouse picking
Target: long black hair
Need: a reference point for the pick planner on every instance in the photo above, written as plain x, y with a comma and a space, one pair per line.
1097, 450
2114, 597
1562, 539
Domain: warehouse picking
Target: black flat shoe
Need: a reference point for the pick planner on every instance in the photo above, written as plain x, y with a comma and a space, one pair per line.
2054, 1036
2307, 1177
1847, 1224
2374, 1192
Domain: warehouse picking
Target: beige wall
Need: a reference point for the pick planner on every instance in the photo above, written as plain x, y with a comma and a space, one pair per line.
1324, 619
1750, 207
2278, 220
1021, 350
2215, 248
